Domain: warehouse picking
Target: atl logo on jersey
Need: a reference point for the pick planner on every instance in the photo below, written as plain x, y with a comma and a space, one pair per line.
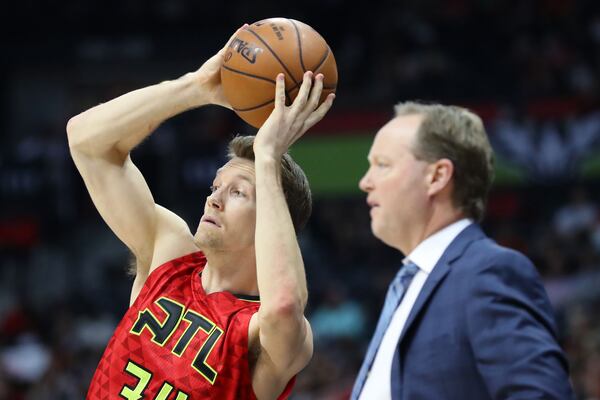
162, 331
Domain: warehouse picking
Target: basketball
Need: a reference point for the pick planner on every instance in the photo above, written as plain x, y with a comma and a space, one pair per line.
264, 49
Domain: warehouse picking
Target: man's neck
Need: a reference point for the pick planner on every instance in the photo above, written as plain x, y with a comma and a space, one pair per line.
232, 272
436, 222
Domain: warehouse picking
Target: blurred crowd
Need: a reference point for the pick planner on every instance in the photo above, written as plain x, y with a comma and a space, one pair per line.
530, 68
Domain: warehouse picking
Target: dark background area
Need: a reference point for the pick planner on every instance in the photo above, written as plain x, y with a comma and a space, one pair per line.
530, 68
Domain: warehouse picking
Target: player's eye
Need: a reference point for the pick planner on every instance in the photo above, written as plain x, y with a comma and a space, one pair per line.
213, 188
237, 192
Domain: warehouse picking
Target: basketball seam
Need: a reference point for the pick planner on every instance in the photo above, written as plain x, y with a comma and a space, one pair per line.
320, 63
254, 107
299, 45
274, 55
249, 75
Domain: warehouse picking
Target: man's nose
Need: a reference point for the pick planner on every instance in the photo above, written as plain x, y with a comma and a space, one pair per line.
365, 184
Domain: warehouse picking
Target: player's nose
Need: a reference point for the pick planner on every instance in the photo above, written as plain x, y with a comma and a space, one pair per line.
215, 201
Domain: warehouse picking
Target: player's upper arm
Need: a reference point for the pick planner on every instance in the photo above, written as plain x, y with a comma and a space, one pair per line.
272, 370
122, 198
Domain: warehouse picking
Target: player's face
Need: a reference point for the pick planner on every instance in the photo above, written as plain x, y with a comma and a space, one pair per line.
230, 210
396, 182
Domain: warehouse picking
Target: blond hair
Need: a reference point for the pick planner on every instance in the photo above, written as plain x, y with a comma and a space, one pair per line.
293, 179
457, 134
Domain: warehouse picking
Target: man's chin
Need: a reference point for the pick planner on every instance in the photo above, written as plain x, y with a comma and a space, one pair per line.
379, 232
207, 242
375, 228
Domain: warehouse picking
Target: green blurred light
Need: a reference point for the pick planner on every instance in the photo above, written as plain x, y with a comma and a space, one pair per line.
335, 163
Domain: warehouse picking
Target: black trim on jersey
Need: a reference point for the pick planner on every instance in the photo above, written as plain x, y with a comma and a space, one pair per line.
247, 297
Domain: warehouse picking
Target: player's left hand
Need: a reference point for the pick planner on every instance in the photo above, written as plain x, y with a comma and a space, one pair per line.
286, 124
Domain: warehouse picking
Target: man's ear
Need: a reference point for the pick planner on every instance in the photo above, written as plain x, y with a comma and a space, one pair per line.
439, 175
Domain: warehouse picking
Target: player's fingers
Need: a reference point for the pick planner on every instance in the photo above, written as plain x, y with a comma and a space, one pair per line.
280, 92
224, 49
302, 97
313, 100
298, 135
320, 112
315, 93
315, 117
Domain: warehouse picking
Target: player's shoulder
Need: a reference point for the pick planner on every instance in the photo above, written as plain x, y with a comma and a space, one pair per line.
173, 238
181, 263
170, 223
171, 273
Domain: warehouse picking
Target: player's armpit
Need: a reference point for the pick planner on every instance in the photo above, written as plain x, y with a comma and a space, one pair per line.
138, 283
173, 239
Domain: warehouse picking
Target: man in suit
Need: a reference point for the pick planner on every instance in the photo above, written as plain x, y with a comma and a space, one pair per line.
464, 318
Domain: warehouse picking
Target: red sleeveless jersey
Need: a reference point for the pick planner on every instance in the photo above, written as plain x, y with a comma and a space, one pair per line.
178, 343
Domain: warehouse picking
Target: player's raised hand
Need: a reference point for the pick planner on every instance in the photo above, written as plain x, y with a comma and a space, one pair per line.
286, 124
209, 75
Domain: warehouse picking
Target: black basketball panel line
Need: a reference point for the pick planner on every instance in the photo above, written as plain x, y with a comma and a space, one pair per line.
287, 96
274, 55
322, 60
299, 40
254, 107
237, 71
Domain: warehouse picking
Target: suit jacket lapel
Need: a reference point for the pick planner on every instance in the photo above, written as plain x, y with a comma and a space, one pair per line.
437, 275
441, 269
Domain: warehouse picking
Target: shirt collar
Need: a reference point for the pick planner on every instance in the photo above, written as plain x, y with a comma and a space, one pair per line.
427, 253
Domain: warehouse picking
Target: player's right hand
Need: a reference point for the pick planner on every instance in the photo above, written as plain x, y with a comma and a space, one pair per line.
286, 124
208, 76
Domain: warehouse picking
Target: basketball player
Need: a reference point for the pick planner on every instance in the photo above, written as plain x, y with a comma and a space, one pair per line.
196, 328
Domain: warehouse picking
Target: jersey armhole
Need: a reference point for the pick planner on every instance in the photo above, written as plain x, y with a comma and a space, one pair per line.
288, 389
168, 268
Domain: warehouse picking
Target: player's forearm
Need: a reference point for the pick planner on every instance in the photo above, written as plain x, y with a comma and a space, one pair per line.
125, 121
280, 269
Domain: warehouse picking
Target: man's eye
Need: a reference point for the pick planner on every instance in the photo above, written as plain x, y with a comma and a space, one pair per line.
213, 188
237, 192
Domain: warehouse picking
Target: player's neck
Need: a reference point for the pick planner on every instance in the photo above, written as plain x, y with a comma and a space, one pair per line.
235, 273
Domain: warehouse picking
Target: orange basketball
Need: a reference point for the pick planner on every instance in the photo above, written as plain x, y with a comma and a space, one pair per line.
262, 50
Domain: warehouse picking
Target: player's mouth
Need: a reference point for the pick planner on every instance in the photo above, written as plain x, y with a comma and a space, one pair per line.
210, 220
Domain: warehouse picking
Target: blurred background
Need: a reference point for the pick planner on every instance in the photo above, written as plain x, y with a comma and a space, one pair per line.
531, 69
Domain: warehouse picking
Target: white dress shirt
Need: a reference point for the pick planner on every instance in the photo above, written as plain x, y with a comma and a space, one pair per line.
426, 255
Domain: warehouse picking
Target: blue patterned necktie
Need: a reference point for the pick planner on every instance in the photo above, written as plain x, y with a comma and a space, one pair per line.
394, 295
